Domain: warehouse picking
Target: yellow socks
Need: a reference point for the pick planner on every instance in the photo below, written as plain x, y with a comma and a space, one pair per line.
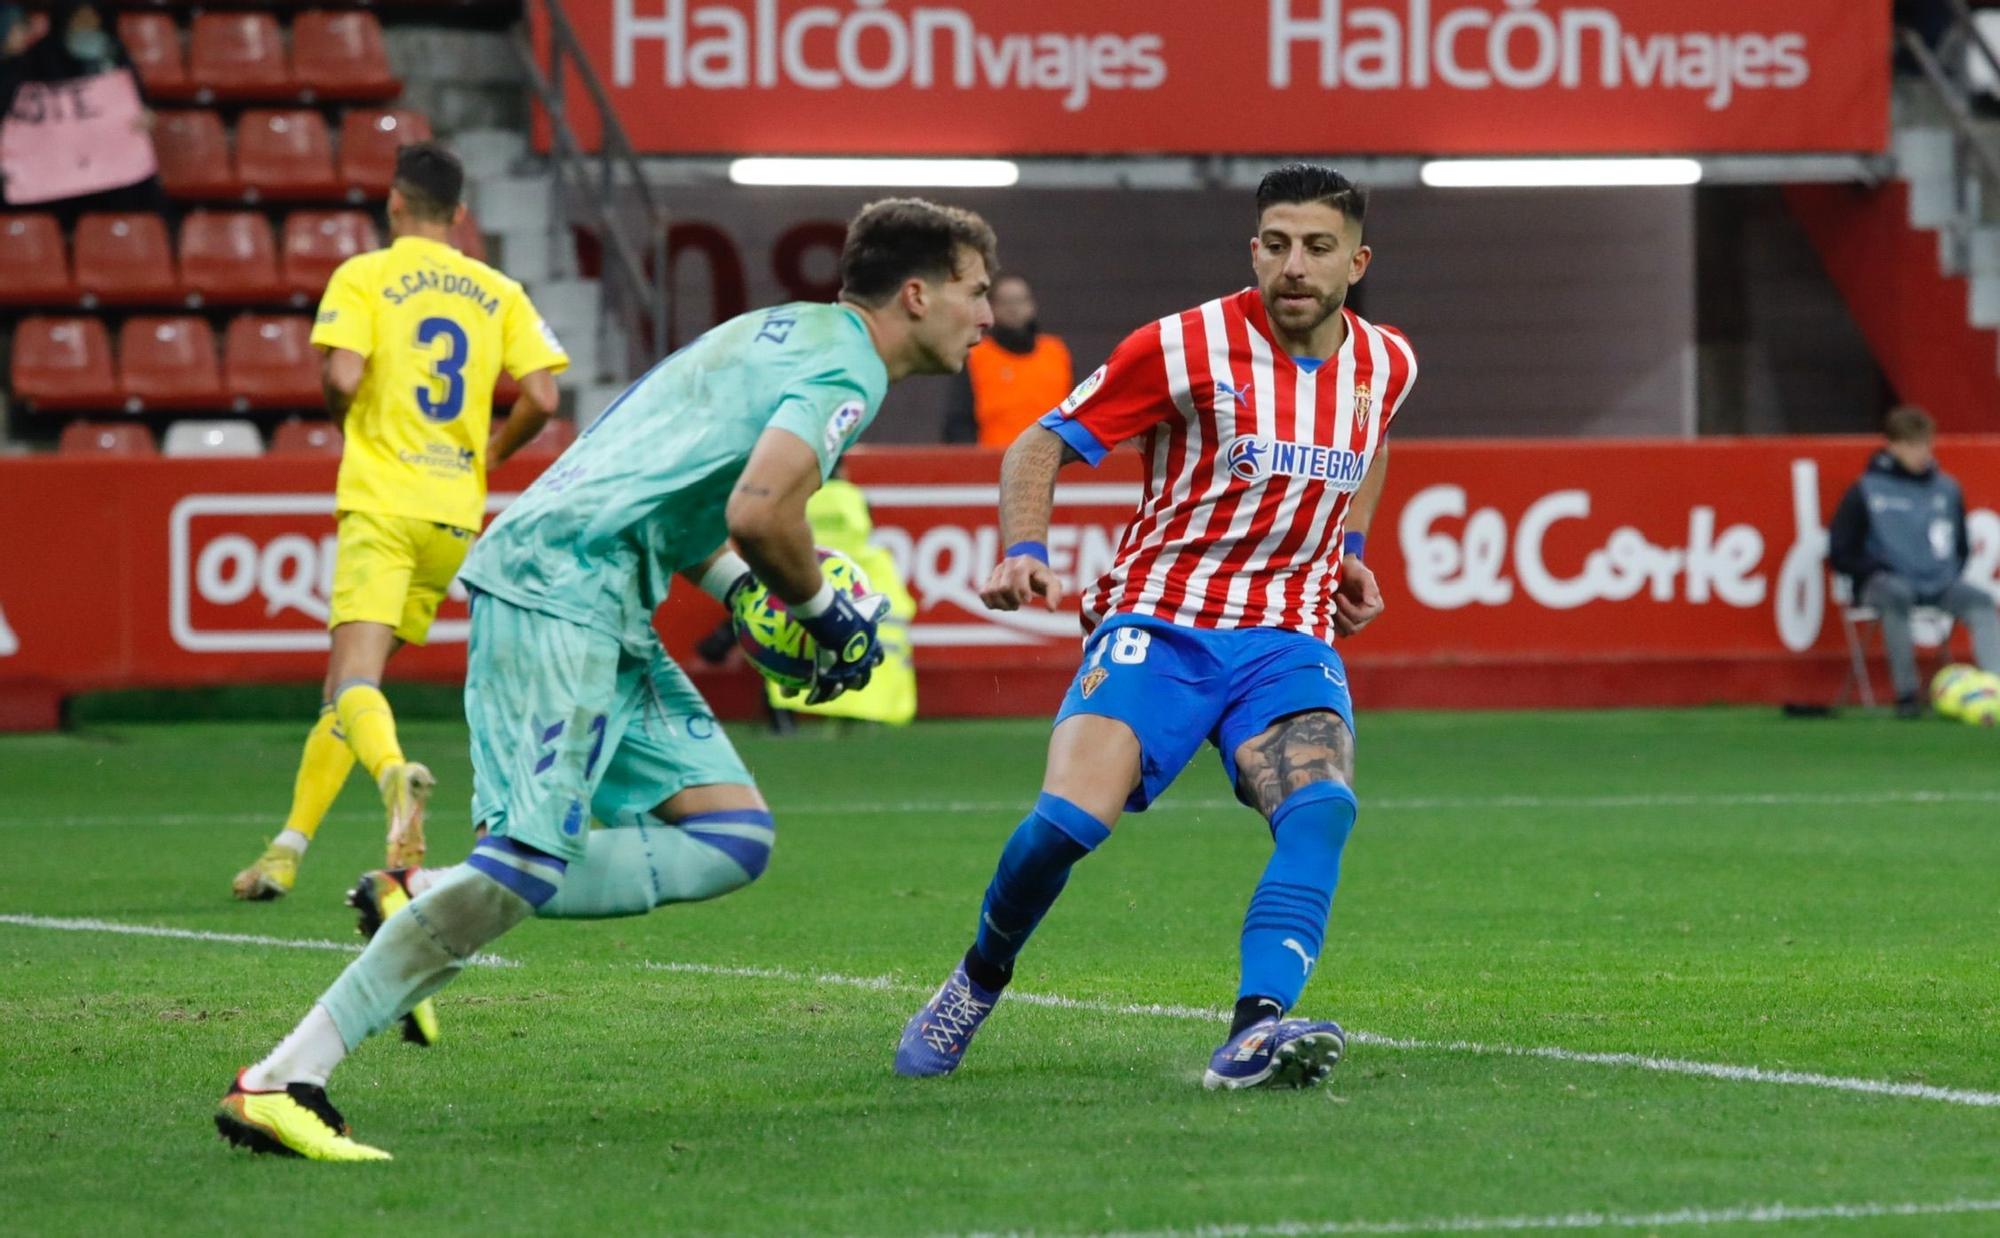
371, 728
323, 770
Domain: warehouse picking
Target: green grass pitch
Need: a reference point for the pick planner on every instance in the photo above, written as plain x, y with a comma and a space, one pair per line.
1721, 887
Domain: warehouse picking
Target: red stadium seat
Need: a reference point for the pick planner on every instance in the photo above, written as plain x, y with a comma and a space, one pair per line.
64, 363
229, 258
169, 363
106, 438
269, 362
296, 437
34, 267
318, 241
125, 259
193, 150
368, 142
341, 56
153, 42
285, 155
238, 56
467, 239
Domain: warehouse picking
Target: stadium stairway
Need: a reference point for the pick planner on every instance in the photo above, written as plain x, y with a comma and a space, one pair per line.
1919, 273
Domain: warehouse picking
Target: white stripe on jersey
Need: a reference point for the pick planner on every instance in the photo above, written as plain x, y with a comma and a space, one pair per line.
1279, 534
1305, 418
1202, 440
1156, 506
1317, 602
1265, 407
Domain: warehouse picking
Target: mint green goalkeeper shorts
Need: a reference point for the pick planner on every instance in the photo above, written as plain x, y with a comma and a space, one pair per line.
567, 727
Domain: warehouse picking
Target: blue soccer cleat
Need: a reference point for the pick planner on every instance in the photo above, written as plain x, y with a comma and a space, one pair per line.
1277, 1053
934, 1039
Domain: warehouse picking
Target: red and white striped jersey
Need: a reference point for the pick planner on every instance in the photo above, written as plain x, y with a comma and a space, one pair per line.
1251, 463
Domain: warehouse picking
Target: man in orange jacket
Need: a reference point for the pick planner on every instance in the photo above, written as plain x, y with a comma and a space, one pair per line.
1013, 376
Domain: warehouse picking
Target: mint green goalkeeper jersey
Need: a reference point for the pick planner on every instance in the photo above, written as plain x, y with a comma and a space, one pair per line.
640, 495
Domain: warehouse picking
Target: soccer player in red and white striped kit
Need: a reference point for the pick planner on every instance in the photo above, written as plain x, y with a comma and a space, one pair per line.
1265, 417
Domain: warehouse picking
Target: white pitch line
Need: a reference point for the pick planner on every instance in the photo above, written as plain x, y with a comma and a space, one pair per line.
1660, 1065
1635, 1061
85, 925
1746, 1214
1390, 803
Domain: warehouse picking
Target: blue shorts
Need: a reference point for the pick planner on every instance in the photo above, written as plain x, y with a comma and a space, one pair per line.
1176, 686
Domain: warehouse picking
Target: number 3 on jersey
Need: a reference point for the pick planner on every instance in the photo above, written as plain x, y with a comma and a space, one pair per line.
447, 368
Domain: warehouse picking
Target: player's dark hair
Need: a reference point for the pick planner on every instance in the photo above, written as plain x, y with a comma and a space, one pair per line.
897, 238
431, 180
1311, 182
1906, 423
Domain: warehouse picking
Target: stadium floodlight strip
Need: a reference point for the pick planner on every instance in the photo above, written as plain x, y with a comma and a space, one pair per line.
1557, 173
945, 173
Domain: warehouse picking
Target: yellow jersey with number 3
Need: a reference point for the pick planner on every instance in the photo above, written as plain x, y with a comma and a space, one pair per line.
436, 329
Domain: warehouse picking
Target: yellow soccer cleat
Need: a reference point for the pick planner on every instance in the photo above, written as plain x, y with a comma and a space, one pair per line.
299, 1121
272, 876
375, 897
406, 787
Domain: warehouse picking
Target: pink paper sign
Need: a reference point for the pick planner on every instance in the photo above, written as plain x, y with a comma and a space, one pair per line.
75, 137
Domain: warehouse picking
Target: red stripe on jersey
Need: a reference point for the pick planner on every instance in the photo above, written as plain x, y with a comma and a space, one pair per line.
1165, 448
1185, 367
1247, 548
1284, 565
1310, 592
1210, 549
1204, 523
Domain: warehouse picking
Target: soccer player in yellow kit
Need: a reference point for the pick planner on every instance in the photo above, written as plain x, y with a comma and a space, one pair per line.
414, 337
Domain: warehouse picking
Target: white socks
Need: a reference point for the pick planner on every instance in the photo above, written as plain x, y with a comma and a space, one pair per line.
308, 1055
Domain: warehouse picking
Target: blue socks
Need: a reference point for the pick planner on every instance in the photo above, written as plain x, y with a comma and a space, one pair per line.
1286, 923
1033, 869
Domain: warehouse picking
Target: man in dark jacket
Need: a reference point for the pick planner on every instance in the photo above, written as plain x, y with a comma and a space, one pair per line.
1899, 535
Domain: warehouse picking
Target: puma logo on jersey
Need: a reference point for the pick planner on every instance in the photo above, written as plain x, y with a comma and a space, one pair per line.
1240, 394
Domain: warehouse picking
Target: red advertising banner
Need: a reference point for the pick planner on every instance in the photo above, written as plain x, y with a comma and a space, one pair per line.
1516, 573
1059, 77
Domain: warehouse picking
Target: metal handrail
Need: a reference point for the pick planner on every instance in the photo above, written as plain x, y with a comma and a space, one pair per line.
644, 299
1962, 12
1955, 106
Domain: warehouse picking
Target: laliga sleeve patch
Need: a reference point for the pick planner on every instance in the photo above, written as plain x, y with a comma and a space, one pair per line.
549, 336
1083, 391
845, 420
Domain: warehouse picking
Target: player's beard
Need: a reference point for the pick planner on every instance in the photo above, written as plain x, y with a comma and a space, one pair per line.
1326, 305
1291, 321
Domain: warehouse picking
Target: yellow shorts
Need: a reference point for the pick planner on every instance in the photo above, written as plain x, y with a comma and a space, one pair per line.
394, 570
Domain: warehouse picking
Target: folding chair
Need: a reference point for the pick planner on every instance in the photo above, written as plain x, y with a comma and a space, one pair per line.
1930, 628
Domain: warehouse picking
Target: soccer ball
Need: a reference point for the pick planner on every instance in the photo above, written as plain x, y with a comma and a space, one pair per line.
1950, 687
1979, 705
777, 644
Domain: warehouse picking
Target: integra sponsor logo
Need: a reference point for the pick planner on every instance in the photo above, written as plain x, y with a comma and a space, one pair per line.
1253, 457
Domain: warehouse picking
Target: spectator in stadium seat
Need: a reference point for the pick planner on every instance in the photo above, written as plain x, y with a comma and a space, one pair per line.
1900, 535
1014, 375
80, 42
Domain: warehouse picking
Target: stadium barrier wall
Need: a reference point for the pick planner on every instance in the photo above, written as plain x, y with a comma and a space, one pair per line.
1517, 573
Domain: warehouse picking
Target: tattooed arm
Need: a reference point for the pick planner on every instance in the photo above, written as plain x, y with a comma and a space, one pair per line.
1027, 496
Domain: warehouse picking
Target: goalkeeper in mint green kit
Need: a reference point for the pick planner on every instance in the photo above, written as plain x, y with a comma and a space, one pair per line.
701, 469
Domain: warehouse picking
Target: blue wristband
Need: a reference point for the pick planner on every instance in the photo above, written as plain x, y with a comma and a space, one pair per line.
1034, 550
1353, 544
